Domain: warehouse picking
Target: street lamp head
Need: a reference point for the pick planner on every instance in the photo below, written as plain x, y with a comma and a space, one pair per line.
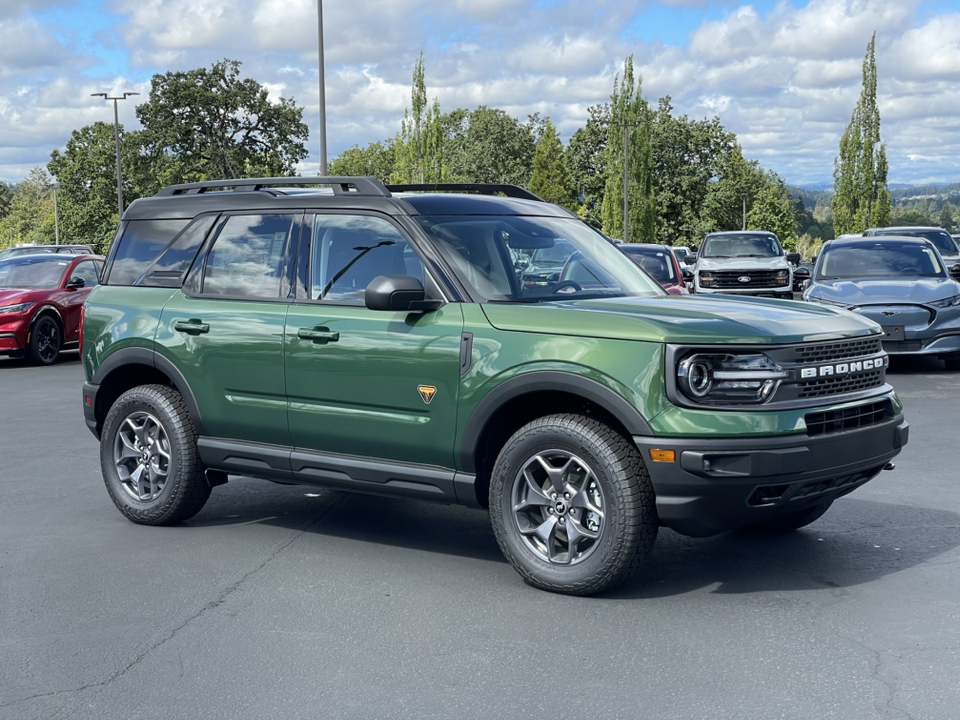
128, 94
103, 95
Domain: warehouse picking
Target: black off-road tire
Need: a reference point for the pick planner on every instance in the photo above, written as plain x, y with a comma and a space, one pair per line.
792, 521
45, 341
625, 533
161, 412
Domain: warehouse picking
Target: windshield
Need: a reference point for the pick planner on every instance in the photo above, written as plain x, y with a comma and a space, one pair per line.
503, 259
747, 245
879, 259
654, 260
32, 272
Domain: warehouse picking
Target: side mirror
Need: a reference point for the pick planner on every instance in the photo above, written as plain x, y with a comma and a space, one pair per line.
687, 274
398, 292
76, 282
793, 258
690, 259
955, 271
802, 273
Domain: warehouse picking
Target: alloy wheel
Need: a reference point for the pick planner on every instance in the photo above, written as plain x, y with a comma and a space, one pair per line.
141, 454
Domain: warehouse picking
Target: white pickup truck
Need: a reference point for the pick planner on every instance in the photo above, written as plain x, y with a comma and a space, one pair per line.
742, 263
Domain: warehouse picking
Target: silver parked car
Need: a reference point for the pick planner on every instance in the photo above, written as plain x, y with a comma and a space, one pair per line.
902, 283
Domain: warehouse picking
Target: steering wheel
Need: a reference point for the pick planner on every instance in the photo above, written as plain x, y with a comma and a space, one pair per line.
566, 287
910, 270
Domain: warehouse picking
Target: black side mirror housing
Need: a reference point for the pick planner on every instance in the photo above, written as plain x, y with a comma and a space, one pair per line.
802, 272
76, 282
793, 258
955, 271
398, 292
687, 274
690, 259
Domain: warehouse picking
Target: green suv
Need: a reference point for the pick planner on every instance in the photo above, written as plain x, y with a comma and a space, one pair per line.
336, 332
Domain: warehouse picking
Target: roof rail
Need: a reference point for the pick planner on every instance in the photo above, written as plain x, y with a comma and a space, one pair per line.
479, 188
340, 185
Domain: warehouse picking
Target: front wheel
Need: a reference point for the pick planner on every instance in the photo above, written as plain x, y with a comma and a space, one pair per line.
45, 341
572, 505
149, 459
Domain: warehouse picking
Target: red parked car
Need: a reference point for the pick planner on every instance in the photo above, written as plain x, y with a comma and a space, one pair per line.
660, 264
40, 301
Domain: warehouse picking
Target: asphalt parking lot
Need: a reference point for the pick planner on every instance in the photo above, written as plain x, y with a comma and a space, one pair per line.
293, 602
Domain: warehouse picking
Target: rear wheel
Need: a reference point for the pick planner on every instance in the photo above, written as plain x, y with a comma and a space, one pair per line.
45, 341
792, 521
149, 459
572, 505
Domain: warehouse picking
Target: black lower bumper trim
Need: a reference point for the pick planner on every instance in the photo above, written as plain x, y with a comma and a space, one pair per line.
724, 484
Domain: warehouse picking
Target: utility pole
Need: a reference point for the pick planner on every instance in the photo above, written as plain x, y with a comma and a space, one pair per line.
116, 132
56, 217
323, 94
744, 212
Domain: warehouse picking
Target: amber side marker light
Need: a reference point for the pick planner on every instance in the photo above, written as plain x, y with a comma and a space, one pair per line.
663, 456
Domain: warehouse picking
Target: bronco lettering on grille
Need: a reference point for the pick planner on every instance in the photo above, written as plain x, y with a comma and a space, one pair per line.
842, 368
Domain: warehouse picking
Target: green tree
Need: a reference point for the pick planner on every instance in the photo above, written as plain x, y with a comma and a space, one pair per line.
628, 141
212, 124
587, 159
419, 146
488, 146
551, 177
773, 210
86, 172
6, 195
378, 159
31, 218
861, 198
946, 217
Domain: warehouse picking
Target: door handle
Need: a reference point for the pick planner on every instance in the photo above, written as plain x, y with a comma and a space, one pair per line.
319, 335
193, 326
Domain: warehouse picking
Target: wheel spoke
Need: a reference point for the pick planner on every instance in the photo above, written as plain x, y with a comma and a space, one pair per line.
534, 495
127, 451
137, 481
157, 479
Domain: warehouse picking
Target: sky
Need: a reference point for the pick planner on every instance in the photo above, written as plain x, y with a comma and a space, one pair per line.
783, 75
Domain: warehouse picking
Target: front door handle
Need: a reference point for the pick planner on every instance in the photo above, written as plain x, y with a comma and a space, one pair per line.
193, 326
319, 335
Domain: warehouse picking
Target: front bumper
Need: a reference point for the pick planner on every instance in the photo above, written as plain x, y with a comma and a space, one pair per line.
717, 485
780, 293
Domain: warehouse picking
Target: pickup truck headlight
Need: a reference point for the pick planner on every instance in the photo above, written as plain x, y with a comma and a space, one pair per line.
706, 278
728, 379
14, 309
945, 303
782, 278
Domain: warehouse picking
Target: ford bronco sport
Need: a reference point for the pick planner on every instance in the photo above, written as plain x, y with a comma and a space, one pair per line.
336, 332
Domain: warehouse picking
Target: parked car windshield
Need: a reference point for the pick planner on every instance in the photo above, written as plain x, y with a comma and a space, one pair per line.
728, 246
879, 259
32, 272
655, 261
940, 238
583, 263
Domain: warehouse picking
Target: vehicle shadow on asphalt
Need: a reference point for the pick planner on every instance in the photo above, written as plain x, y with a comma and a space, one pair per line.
856, 542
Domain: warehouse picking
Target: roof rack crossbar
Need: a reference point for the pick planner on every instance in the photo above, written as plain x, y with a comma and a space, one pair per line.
480, 188
340, 185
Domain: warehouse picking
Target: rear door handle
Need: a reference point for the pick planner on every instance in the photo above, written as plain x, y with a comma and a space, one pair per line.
193, 326
319, 335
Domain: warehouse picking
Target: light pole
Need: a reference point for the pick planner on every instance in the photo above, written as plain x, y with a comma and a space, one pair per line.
323, 94
116, 132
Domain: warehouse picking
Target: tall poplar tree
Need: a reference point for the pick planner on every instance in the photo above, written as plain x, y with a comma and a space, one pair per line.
419, 146
861, 198
629, 137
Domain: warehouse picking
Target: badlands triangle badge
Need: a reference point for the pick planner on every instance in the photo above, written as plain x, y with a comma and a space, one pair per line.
427, 392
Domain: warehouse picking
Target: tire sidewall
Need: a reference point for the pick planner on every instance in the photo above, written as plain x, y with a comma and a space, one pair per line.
35, 341
580, 577
131, 402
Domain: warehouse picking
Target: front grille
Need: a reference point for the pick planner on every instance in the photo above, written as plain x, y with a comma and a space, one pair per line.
851, 418
834, 385
758, 279
903, 346
827, 352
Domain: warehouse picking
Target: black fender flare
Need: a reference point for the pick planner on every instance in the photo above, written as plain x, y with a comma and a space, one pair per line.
151, 358
45, 310
538, 381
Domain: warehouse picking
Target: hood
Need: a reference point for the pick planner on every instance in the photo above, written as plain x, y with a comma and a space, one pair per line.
743, 263
879, 291
690, 319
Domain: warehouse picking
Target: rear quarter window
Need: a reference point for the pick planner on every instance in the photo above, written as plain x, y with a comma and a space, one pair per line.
139, 247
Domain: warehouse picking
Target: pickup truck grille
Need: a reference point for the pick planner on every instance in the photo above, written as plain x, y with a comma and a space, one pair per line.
730, 280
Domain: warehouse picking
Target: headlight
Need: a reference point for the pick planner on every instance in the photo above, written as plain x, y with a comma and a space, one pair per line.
727, 379
14, 309
782, 277
706, 278
945, 303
